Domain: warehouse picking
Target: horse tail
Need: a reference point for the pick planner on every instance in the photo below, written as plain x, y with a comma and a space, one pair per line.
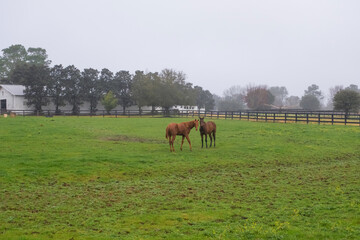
166, 134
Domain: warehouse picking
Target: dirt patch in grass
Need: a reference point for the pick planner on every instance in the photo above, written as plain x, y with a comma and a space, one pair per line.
125, 138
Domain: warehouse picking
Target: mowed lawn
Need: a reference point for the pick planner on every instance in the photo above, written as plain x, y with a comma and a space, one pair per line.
115, 178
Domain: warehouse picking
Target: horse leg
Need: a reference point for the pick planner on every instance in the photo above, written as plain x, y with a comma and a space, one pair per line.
182, 142
214, 138
210, 139
188, 139
172, 143
206, 139
202, 140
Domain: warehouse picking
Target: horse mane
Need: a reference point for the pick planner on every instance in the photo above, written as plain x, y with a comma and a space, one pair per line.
190, 123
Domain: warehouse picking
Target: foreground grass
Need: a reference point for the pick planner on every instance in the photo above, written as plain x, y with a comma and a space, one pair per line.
107, 178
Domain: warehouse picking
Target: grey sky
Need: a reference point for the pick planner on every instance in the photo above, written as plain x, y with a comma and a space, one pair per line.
217, 44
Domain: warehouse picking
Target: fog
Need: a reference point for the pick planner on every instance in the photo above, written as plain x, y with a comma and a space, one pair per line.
218, 44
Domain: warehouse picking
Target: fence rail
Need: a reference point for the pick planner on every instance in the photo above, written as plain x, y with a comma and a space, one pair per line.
285, 116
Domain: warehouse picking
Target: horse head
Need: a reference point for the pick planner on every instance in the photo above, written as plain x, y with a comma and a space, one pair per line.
202, 122
196, 123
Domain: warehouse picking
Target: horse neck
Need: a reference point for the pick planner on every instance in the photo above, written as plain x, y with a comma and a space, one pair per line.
191, 124
203, 126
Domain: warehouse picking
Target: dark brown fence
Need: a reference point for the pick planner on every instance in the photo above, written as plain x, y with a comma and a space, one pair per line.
319, 117
284, 116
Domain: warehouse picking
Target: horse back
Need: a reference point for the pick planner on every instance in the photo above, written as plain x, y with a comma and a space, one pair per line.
211, 126
182, 128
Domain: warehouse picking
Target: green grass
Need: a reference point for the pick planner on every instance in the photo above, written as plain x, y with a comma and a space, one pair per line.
112, 178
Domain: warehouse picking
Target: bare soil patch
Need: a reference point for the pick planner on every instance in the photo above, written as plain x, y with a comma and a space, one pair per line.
125, 138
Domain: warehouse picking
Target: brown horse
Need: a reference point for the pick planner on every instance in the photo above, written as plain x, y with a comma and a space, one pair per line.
205, 129
183, 129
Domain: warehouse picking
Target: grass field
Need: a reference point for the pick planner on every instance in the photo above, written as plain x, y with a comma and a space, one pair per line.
112, 178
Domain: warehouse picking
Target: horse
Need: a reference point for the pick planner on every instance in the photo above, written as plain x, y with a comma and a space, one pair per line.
205, 129
183, 129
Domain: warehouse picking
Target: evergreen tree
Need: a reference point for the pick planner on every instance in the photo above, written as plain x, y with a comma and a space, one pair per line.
73, 91
310, 102
122, 89
91, 88
56, 87
36, 82
347, 100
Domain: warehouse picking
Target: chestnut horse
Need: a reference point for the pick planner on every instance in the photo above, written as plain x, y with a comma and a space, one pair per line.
183, 129
205, 129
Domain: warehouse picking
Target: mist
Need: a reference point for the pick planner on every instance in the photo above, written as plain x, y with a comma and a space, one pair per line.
217, 44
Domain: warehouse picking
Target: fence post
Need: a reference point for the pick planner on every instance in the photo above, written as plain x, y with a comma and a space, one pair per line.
128, 113
248, 116
332, 119
296, 117
345, 118
307, 118
319, 118
257, 116
265, 116
232, 115
285, 117
240, 115
217, 114
274, 118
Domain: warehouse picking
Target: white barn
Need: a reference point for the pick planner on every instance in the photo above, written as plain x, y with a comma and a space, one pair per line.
12, 98
188, 108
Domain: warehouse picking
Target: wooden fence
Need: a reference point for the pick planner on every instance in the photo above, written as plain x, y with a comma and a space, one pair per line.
319, 117
284, 116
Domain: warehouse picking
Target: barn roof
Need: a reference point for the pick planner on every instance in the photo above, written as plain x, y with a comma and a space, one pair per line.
17, 90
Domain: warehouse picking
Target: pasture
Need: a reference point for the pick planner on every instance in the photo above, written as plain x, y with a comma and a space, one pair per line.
114, 178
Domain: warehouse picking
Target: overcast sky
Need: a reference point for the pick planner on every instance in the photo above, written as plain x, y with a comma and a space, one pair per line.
217, 44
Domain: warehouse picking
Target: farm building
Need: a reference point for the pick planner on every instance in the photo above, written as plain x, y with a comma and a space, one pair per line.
187, 108
12, 98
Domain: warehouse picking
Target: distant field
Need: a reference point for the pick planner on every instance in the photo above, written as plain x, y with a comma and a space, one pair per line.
114, 178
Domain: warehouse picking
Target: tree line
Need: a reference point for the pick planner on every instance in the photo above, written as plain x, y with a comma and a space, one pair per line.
259, 97
31, 68
68, 84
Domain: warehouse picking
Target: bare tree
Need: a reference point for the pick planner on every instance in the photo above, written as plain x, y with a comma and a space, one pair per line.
292, 102
233, 99
332, 93
280, 94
